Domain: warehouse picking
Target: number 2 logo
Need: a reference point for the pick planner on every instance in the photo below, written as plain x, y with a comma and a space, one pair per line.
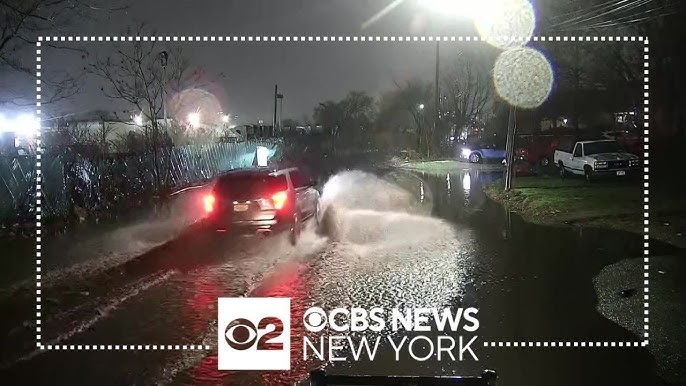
242, 334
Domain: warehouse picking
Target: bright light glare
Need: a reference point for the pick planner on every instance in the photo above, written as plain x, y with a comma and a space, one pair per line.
279, 199
466, 152
138, 120
523, 77
505, 24
262, 156
208, 202
225, 118
194, 119
421, 106
26, 126
497, 21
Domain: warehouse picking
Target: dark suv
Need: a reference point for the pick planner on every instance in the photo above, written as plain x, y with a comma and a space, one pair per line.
262, 201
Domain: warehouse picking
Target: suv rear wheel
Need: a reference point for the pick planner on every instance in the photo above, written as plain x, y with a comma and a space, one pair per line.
294, 235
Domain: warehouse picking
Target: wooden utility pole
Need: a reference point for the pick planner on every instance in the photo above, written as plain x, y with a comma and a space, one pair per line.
509, 148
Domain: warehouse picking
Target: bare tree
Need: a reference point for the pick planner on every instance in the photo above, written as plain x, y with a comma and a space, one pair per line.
592, 79
348, 116
102, 133
21, 22
134, 73
467, 88
415, 97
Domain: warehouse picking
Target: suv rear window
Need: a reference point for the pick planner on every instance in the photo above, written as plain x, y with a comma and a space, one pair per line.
250, 186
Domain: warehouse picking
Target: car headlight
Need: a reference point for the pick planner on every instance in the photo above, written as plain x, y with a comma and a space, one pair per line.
600, 165
466, 152
634, 162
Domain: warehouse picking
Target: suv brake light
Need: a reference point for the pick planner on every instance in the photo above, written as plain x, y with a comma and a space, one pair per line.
280, 199
209, 200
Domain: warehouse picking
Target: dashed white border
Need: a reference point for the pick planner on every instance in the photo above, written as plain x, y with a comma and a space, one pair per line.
246, 38
125, 347
38, 196
646, 191
564, 344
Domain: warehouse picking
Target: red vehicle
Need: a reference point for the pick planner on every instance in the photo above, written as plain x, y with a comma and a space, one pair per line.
629, 140
536, 150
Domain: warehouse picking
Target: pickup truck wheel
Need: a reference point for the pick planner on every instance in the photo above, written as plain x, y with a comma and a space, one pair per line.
588, 173
475, 158
563, 173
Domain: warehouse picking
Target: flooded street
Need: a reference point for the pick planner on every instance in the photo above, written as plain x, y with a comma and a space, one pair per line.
396, 239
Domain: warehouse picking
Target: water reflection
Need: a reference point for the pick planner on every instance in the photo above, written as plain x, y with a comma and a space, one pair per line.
463, 202
466, 183
447, 179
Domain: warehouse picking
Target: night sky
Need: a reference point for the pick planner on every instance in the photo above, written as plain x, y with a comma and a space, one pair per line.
307, 73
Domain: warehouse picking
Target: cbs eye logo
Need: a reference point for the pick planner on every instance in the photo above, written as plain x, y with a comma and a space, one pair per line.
315, 319
242, 334
254, 334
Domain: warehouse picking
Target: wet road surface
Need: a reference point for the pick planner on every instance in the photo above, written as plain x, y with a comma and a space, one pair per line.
400, 239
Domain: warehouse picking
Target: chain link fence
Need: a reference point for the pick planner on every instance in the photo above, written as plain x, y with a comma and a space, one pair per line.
109, 182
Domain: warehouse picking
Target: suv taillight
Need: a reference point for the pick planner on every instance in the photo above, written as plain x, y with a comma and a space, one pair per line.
279, 199
208, 202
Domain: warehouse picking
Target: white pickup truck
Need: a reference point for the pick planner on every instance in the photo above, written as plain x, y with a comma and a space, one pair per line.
594, 159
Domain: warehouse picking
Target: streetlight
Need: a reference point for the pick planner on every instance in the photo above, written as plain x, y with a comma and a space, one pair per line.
421, 106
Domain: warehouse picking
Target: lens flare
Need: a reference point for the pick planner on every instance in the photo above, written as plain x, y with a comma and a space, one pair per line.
188, 102
505, 24
523, 77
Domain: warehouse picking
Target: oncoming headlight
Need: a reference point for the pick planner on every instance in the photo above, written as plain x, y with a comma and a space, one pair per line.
466, 152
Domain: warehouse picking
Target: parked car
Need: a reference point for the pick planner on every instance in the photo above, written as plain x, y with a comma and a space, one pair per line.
262, 201
629, 140
536, 150
594, 159
481, 152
